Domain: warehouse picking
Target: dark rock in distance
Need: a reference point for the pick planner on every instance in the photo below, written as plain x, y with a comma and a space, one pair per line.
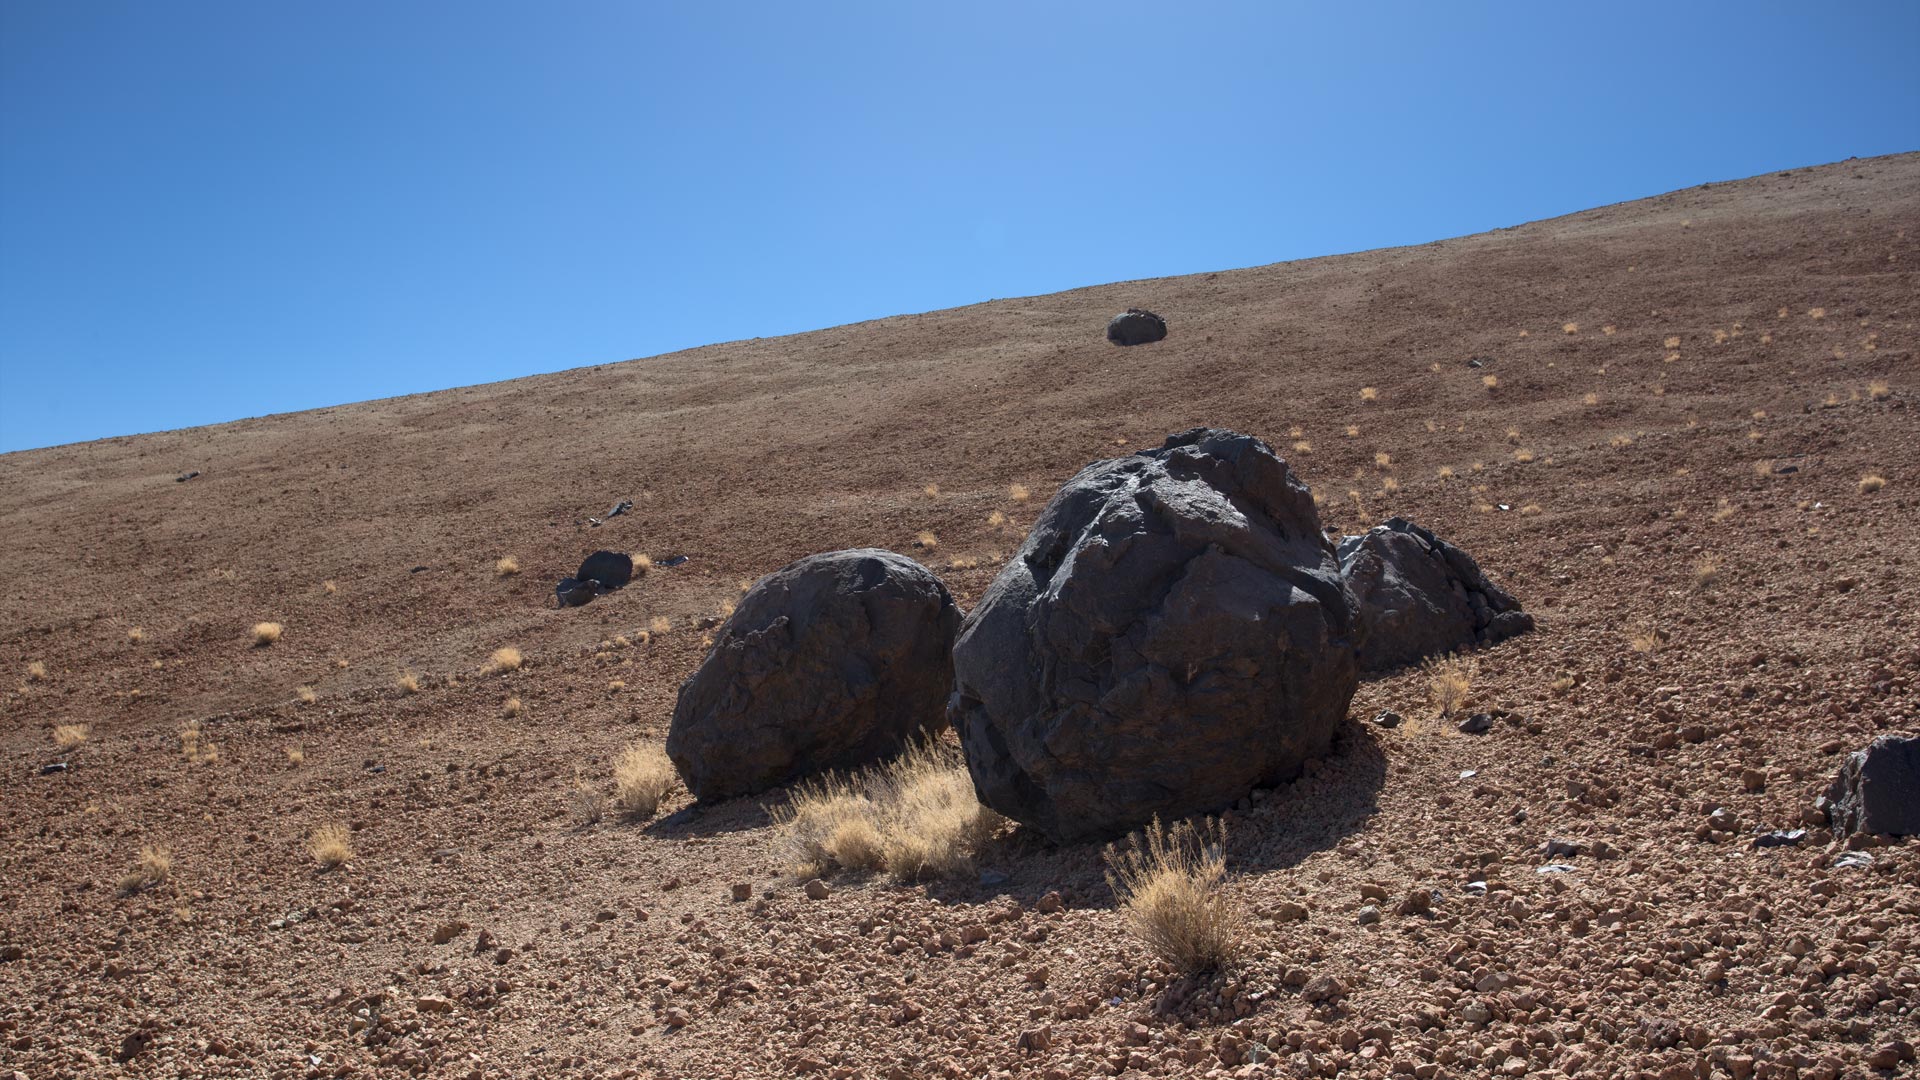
1878, 789
1420, 596
1173, 632
610, 568
1136, 326
572, 592
833, 662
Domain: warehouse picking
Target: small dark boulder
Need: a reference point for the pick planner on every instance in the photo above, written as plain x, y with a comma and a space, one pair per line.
1420, 596
833, 662
1878, 789
572, 592
610, 568
1172, 633
1135, 326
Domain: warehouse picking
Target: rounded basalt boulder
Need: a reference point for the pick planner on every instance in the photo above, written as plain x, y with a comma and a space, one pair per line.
832, 662
1420, 596
1173, 632
1136, 326
612, 569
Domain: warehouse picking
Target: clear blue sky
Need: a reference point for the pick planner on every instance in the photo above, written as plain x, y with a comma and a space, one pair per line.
218, 210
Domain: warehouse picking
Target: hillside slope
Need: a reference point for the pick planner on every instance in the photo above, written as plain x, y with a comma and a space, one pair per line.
1708, 374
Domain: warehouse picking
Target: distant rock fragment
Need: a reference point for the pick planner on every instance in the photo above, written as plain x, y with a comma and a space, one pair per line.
186, 476
1780, 838
1420, 596
1136, 326
1172, 633
833, 662
1878, 789
1477, 724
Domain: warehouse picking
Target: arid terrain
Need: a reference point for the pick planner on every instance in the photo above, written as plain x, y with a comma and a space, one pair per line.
1681, 430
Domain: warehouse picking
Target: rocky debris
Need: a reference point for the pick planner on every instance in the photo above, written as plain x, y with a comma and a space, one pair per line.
741, 891
1477, 724
619, 508
448, 931
433, 1003
818, 890
53, 768
1325, 988
1420, 596
1136, 326
1877, 790
832, 662
1173, 632
1780, 838
1387, 718
186, 476
1367, 915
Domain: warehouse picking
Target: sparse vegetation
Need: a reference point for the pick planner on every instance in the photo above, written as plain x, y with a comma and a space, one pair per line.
296, 754
1706, 570
1445, 472
926, 540
1879, 390
1169, 882
36, 671
154, 867
511, 708
642, 778
1369, 393
305, 694
1302, 446
329, 587
408, 682
330, 845
507, 566
1872, 482
1563, 685
1383, 460
1570, 328
915, 817
1817, 313
1523, 455
266, 633
196, 747
996, 520
1449, 682
1650, 637
931, 490
660, 624
504, 659
589, 802
68, 736
1018, 492
136, 635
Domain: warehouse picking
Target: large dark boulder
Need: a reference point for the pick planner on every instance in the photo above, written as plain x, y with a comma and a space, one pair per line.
833, 662
611, 569
1173, 632
1420, 596
1135, 326
1878, 789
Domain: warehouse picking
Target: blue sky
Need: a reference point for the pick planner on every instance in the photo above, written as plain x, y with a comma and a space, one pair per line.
217, 210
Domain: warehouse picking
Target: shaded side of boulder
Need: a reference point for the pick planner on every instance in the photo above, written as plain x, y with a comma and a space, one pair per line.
610, 568
1877, 789
1173, 632
1136, 326
832, 662
573, 592
1420, 596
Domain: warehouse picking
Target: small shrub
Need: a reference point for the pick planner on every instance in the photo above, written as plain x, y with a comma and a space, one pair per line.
1353, 431
196, 747
641, 564
306, 695
408, 682
996, 519
1817, 313
155, 867
511, 707
1523, 455
1369, 393
642, 778
68, 736
1563, 685
1609, 329
329, 588
589, 802
36, 671
1650, 637
1449, 682
1018, 492
1383, 460
1169, 884
1872, 482
1302, 446
1389, 484
1590, 399
926, 539
136, 635
296, 754
660, 624
507, 566
1878, 390
504, 659
1491, 382
266, 633
1570, 328
1445, 472
1706, 570
915, 817
330, 845
931, 490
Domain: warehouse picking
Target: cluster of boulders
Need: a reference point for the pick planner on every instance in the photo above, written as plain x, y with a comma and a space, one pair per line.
1176, 630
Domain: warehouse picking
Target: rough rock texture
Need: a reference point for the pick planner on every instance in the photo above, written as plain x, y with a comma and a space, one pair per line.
1173, 632
835, 661
1135, 326
573, 592
610, 568
1878, 789
1420, 596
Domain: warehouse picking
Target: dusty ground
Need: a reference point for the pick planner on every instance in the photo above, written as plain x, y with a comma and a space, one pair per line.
1671, 947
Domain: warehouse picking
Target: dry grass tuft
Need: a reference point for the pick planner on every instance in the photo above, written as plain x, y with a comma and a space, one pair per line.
68, 736
642, 778
1168, 882
196, 747
1563, 685
1450, 682
1570, 328
1369, 393
329, 588
408, 682
1817, 313
36, 671
1706, 570
1302, 446
641, 564
1018, 492
507, 566
305, 694
504, 659
1879, 390
931, 489
589, 802
1609, 329
1620, 442
296, 754
996, 519
511, 707
1445, 472
136, 635
155, 867
1649, 638
1383, 460
1389, 484
1872, 482
1590, 399
266, 633
926, 539
1491, 382
660, 624
1523, 455
915, 818
330, 845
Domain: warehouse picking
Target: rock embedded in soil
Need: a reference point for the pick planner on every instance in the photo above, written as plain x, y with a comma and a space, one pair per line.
1136, 326
1173, 632
833, 662
1420, 596
610, 568
1878, 789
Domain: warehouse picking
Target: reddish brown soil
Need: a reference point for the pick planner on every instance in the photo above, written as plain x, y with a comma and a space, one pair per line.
1686, 953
